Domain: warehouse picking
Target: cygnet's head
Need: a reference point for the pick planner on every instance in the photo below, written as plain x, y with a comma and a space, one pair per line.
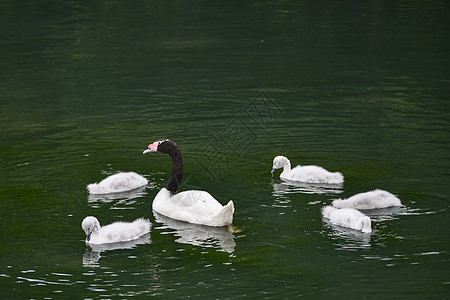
279, 162
90, 224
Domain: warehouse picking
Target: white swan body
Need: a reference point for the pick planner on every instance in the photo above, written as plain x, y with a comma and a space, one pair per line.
197, 207
348, 217
308, 174
114, 233
369, 200
193, 206
120, 182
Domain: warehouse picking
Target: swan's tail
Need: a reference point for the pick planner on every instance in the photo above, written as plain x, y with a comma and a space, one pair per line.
225, 216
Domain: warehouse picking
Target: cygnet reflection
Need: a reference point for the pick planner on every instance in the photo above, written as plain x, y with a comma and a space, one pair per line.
123, 197
92, 254
385, 214
280, 189
347, 238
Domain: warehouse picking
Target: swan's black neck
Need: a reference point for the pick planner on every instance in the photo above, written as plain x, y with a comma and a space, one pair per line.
176, 174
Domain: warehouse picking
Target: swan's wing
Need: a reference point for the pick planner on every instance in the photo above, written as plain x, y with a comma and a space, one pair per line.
193, 206
200, 201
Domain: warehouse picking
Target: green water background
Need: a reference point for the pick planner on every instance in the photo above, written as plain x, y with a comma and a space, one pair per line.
360, 88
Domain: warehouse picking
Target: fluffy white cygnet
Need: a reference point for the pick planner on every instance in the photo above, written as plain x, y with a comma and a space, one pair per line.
120, 182
369, 200
347, 217
309, 174
114, 233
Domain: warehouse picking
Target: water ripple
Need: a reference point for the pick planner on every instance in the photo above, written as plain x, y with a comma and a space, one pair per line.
220, 238
92, 254
283, 188
347, 239
41, 282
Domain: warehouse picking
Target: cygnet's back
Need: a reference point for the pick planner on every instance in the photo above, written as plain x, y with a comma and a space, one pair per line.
369, 200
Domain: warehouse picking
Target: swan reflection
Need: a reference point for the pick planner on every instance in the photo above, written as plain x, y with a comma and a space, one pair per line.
92, 254
280, 189
198, 235
123, 197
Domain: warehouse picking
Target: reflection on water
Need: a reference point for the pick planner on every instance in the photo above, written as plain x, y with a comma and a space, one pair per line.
349, 239
349, 99
283, 188
433, 204
125, 199
346, 238
384, 214
220, 238
92, 254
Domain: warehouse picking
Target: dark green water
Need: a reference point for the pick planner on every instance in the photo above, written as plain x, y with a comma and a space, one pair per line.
356, 88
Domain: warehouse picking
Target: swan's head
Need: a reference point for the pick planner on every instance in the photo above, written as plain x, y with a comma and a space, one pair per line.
157, 146
279, 162
90, 225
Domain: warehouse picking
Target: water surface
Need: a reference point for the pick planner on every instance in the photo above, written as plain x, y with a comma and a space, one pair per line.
356, 88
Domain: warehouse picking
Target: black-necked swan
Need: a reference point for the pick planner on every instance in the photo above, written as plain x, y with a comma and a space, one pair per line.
308, 174
114, 233
347, 217
192, 206
117, 183
369, 200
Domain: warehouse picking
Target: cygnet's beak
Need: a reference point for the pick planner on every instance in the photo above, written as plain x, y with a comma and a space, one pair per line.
88, 236
151, 148
273, 170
